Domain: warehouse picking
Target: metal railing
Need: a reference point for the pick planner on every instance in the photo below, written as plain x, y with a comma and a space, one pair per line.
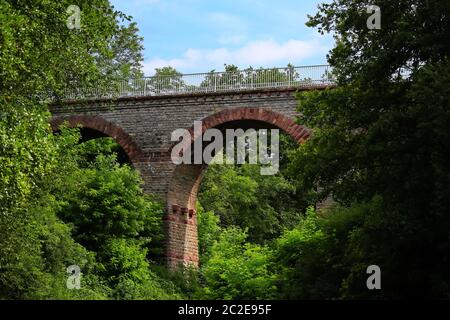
231, 81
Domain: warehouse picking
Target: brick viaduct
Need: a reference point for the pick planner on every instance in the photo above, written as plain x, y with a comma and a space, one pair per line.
143, 127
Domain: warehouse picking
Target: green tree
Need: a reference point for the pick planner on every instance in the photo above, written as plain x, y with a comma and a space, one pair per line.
126, 49
103, 203
166, 79
40, 59
232, 77
106, 201
240, 196
312, 259
383, 132
249, 78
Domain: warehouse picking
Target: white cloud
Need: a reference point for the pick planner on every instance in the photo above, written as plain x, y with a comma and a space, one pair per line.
258, 53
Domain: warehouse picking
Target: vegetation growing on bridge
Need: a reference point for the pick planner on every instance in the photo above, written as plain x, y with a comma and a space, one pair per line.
380, 146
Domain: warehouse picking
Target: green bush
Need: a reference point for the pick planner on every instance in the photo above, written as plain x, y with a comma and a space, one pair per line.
208, 232
326, 256
125, 266
237, 269
240, 196
123, 259
309, 258
106, 201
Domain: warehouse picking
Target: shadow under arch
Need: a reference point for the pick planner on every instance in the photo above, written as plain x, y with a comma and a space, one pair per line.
96, 127
182, 242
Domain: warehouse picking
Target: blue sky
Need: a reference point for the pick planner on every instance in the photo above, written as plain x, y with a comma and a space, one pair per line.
201, 35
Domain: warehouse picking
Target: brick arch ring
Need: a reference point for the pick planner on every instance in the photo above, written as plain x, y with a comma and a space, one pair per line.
297, 132
103, 126
190, 175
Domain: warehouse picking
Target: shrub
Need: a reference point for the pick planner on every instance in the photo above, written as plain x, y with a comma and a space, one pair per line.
237, 269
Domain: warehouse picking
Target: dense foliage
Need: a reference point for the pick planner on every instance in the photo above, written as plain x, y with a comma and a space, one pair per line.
264, 205
380, 147
383, 134
40, 173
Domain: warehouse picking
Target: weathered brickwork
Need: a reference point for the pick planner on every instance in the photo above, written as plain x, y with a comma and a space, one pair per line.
143, 127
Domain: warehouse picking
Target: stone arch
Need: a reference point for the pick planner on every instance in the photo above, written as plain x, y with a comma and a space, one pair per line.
181, 218
189, 176
297, 132
105, 128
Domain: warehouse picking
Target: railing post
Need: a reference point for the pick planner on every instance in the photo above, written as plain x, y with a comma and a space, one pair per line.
289, 77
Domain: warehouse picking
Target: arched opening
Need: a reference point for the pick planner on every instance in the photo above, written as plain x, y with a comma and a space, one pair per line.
96, 143
187, 178
97, 128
